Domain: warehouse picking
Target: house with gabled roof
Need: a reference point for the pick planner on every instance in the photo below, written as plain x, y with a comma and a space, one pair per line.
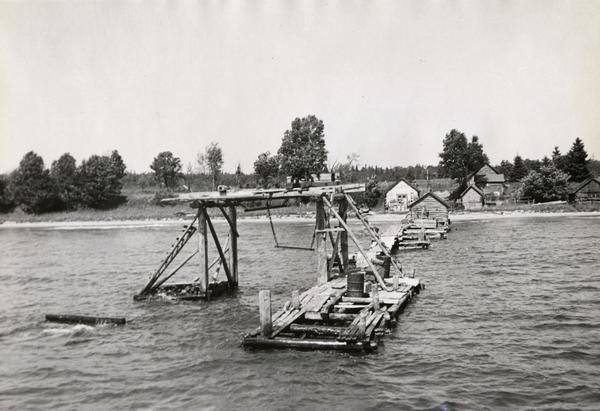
400, 196
488, 180
586, 191
429, 206
472, 198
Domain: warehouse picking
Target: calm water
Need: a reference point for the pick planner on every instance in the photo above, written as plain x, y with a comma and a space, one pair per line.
509, 319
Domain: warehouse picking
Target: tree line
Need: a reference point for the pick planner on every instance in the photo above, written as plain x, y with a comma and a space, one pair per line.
95, 183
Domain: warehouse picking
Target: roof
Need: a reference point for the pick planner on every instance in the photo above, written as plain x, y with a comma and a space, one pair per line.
490, 178
430, 194
435, 184
406, 182
477, 189
576, 187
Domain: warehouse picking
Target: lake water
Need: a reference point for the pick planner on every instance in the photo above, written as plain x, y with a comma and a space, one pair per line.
509, 319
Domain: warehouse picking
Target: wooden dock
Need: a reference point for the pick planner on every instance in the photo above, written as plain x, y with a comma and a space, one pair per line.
324, 317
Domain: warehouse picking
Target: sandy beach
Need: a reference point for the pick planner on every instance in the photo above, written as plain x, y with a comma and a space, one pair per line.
373, 217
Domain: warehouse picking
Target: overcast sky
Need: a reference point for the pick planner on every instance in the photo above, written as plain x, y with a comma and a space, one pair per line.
389, 79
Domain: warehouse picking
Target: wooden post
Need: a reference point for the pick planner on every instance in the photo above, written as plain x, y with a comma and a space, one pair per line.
295, 299
322, 274
375, 297
233, 253
343, 211
387, 263
396, 282
264, 306
203, 248
362, 325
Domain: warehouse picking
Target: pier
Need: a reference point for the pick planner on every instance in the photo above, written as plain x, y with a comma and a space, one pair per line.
338, 313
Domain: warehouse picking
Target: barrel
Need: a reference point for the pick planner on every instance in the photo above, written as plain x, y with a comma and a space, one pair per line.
356, 284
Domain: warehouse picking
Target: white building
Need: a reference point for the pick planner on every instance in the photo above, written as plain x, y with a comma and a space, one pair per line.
400, 196
472, 198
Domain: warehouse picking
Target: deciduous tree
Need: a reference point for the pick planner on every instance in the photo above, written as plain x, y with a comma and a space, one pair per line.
32, 186
302, 150
64, 173
99, 181
167, 169
547, 184
266, 168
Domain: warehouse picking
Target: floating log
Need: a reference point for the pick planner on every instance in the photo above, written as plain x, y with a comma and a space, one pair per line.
84, 319
312, 344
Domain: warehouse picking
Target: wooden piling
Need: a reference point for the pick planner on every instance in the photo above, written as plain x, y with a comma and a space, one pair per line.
387, 263
322, 274
395, 281
203, 248
233, 249
343, 212
375, 297
264, 305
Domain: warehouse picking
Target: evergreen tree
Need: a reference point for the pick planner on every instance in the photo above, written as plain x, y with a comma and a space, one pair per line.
558, 159
459, 157
575, 162
505, 168
519, 169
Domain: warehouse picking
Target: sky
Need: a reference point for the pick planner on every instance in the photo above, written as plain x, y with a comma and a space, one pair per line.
388, 78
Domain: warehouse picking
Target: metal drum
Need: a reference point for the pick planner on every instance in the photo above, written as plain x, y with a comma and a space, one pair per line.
356, 284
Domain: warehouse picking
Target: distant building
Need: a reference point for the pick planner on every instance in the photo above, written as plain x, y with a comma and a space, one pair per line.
472, 198
429, 206
488, 180
588, 190
400, 196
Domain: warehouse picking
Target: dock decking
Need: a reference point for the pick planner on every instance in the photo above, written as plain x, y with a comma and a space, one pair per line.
324, 317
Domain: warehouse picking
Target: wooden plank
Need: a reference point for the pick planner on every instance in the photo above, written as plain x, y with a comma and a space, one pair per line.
219, 250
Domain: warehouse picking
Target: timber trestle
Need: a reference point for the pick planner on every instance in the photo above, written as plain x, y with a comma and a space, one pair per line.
327, 316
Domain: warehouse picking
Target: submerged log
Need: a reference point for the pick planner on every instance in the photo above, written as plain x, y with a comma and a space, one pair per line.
84, 319
321, 330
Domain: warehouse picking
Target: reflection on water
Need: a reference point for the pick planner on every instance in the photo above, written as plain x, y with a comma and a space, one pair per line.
510, 318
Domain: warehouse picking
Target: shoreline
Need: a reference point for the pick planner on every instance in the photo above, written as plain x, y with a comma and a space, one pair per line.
373, 217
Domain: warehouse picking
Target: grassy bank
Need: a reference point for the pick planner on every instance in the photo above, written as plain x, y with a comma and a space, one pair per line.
140, 206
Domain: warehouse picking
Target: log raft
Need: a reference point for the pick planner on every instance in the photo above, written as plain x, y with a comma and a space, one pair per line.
327, 319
